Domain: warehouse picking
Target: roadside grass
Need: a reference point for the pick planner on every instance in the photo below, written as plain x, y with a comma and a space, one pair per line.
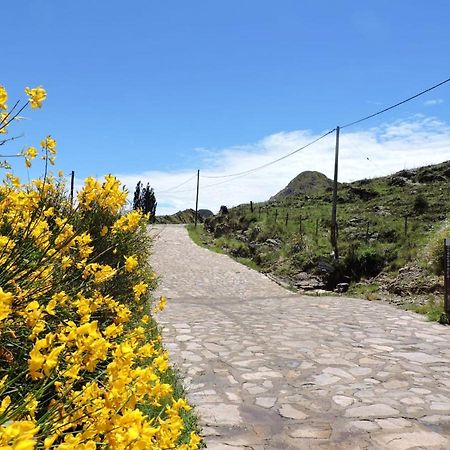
368, 291
433, 309
201, 237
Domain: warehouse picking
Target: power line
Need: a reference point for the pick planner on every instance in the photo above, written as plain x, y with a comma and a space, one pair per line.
177, 186
271, 162
236, 175
397, 104
331, 131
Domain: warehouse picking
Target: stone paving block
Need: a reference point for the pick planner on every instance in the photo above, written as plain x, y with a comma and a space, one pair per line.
413, 439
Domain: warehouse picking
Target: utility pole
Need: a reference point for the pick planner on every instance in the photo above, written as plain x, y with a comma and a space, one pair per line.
196, 199
334, 237
72, 180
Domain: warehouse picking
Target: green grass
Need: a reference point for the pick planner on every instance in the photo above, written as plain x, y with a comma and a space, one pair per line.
247, 262
367, 291
200, 237
433, 309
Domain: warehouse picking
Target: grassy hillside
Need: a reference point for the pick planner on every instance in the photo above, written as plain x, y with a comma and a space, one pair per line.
384, 224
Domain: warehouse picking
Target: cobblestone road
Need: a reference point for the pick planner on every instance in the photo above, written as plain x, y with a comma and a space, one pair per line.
268, 369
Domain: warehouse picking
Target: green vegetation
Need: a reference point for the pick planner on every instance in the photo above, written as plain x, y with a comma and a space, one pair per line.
433, 309
201, 237
384, 224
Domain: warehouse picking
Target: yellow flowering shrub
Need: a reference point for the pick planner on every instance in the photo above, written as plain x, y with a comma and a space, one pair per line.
81, 360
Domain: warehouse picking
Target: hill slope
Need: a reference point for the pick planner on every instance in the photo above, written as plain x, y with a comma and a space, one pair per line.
384, 223
306, 183
186, 216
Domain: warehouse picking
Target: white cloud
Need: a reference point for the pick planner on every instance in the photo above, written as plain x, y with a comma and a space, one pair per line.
374, 152
432, 102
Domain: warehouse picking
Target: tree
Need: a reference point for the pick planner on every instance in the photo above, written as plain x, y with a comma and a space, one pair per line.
137, 197
145, 200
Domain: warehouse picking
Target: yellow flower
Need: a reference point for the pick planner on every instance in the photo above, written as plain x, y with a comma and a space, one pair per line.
3, 381
104, 231
5, 404
161, 362
194, 441
50, 308
100, 272
36, 96
6, 299
51, 360
128, 222
35, 363
31, 152
161, 305
18, 435
139, 289
50, 144
49, 212
3, 119
130, 263
31, 403
3, 97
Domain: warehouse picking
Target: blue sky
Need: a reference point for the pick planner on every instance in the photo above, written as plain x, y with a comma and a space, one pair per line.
159, 89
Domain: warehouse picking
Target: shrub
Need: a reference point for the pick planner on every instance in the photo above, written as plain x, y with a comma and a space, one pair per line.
420, 204
363, 262
81, 360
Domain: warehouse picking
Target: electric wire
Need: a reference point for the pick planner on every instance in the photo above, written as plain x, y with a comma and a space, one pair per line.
271, 162
234, 176
177, 186
329, 132
395, 106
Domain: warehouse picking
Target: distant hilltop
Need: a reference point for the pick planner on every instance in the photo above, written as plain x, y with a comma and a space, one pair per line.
305, 183
186, 216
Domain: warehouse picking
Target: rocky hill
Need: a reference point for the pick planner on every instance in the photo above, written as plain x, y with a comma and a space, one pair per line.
186, 216
306, 183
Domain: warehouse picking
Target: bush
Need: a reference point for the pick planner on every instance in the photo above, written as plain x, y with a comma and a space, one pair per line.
420, 204
81, 360
363, 262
